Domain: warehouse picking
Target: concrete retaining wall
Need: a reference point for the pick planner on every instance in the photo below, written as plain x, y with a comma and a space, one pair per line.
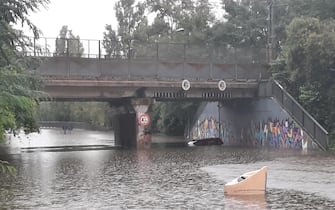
251, 122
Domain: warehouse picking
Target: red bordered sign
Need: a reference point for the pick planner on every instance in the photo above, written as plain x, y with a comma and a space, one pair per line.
144, 119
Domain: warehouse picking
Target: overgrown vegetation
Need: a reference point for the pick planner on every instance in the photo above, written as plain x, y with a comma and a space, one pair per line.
171, 118
93, 113
5, 168
19, 92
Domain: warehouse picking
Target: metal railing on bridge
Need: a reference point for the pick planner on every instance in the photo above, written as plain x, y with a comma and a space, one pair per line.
74, 58
88, 48
300, 115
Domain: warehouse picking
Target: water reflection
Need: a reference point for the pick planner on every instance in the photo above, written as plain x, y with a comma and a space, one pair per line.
160, 178
55, 137
245, 202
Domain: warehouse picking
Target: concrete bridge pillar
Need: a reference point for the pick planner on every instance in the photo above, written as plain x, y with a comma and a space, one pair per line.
131, 123
123, 122
143, 136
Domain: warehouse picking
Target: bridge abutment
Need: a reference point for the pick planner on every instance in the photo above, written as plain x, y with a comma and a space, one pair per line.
251, 122
131, 123
143, 137
124, 129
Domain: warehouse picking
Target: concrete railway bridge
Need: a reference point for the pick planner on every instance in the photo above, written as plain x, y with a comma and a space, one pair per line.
237, 80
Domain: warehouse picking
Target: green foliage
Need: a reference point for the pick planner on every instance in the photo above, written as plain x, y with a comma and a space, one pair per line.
111, 43
311, 8
93, 113
293, 53
194, 17
309, 64
246, 25
18, 96
172, 118
250, 22
6, 168
18, 91
132, 26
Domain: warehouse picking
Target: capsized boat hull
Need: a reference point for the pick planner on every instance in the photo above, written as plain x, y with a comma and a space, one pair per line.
206, 141
250, 183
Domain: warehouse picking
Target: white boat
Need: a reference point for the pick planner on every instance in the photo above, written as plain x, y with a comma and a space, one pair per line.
250, 183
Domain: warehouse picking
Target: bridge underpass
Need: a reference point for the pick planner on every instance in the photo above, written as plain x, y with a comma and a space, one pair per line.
134, 83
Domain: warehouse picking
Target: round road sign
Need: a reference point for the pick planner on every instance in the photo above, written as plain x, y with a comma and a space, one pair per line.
186, 85
222, 85
144, 119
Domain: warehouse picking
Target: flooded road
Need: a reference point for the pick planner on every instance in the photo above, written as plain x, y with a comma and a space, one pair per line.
82, 170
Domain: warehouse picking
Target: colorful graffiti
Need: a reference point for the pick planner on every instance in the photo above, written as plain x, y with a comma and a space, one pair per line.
207, 128
228, 133
283, 134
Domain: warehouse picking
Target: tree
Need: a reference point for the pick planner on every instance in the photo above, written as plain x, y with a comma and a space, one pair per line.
68, 44
131, 21
202, 19
166, 11
194, 17
287, 10
246, 24
92, 113
310, 8
111, 43
171, 118
252, 23
19, 92
308, 61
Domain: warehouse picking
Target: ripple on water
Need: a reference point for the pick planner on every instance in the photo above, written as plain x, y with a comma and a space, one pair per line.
162, 178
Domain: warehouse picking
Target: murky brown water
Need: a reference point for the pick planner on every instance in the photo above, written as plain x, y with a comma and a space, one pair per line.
54, 174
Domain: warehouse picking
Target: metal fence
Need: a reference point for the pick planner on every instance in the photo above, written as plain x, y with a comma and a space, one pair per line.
87, 48
300, 115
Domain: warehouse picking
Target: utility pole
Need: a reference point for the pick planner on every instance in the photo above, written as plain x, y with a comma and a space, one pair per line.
270, 38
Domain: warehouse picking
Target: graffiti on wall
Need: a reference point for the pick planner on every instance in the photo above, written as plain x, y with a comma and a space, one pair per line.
228, 133
207, 128
284, 134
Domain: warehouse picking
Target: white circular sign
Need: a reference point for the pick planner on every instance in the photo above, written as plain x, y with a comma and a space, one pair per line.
144, 120
186, 85
222, 85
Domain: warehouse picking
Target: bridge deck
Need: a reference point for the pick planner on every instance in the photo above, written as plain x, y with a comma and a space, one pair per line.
153, 70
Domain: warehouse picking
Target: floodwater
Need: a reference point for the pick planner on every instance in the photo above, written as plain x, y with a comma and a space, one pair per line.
82, 170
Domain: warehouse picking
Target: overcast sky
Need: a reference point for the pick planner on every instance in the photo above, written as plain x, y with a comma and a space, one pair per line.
86, 18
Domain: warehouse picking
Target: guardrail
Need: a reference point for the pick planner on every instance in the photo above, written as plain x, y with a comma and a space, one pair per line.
169, 70
87, 48
171, 61
300, 115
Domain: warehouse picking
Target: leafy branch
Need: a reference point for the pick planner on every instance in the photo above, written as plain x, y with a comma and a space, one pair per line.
5, 168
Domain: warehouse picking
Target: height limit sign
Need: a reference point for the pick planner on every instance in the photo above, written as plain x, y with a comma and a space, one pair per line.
144, 119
